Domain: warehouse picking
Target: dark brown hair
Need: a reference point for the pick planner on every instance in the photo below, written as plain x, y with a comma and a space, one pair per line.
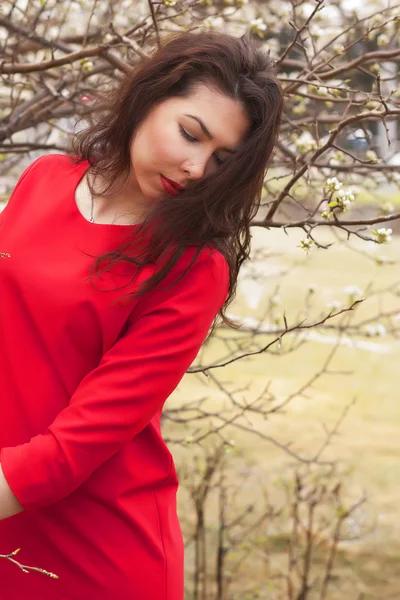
216, 210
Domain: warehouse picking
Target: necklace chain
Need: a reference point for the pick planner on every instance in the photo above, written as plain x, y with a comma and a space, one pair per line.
91, 219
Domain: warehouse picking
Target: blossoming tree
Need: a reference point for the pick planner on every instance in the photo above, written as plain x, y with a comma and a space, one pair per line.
334, 182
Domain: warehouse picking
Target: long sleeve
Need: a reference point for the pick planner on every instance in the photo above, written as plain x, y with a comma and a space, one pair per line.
116, 400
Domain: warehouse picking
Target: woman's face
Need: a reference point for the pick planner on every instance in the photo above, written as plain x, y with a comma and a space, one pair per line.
171, 142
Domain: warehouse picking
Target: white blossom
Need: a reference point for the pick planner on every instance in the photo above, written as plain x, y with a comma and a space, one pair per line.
333, 184
274, 47
75, 7
338, 48
388, 207
334, 305
353, 291
375, 330
22, 4
120, 19
316, 31
276, 300
369, 330
381, 329
258, 26
344, 199
299, 109
353, 189
213, 23
53, 32
372, 156
383, 236
305, 142
378, 20
382, 40
306, 244
284, 11
381, 260
87, 65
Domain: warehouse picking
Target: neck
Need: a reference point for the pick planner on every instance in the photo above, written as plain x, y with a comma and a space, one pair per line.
115, 207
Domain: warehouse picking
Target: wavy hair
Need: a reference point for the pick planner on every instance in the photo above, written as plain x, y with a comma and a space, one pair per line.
216, 210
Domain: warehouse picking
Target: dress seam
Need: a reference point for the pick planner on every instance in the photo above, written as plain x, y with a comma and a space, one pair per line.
161, 534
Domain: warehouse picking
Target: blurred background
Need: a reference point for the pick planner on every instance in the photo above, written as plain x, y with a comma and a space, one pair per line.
284, 431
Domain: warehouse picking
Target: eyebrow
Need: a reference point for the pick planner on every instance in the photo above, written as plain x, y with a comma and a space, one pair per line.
207, 133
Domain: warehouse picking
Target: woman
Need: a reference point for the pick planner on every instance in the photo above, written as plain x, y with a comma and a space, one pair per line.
116, 259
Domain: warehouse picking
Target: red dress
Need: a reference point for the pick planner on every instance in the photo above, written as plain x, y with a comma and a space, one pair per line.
83, 381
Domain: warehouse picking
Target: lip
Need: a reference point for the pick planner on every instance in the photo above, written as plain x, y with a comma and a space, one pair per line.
170, 186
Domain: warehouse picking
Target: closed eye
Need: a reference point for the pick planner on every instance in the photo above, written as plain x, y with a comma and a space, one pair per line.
192, 140
187, 135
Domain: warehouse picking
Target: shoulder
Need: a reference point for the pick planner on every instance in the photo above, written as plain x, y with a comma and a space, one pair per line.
194, 289
47, 164
209, 262
216, 262
49, 171
34, 172
205, 274
207, 270
51, 162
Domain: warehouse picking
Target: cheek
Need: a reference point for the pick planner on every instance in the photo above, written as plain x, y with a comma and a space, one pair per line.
158, 149
165, 150
169, 147
142, 150
154, 151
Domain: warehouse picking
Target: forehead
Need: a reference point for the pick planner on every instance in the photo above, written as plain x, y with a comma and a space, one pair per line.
225, 118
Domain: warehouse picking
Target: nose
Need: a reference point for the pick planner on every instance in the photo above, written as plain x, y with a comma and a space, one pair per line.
197, 167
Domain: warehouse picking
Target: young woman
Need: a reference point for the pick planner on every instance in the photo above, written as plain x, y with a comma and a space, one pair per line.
116, 258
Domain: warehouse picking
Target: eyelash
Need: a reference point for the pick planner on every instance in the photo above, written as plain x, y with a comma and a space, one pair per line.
192, 139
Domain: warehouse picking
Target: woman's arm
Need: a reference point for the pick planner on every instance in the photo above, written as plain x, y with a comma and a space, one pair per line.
115, 401
9, 505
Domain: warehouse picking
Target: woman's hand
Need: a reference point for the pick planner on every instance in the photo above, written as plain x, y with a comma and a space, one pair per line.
9, 505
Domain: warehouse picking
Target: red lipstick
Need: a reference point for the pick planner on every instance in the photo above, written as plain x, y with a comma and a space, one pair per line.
171, 187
